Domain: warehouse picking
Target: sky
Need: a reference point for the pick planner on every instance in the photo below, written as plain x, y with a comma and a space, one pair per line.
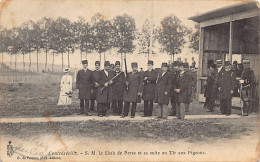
15, 12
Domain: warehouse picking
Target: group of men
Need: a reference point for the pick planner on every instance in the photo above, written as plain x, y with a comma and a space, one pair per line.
111, 87
228, 81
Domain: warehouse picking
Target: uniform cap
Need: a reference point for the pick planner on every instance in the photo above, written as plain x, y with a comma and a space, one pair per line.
84, 61
164, 64
117, 63
150, 62
134, 64
97, 63
227, 63
107, 63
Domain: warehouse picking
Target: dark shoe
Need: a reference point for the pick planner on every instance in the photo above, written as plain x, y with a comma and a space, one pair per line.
132, 116
245, 114
80, 113
228, 114
209, 110
144, 116
122, 116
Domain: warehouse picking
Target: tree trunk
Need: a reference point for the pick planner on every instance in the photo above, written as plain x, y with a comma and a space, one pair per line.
2, 65
121, 60
52, 68
62, 62
30, 61
100, 58
68, 58
15, 60
46, 52
80, 55
37, 60
11, 61
23, 63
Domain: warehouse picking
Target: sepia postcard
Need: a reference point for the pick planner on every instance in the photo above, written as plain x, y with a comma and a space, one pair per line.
129, 80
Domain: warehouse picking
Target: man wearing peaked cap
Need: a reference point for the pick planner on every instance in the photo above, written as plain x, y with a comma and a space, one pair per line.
84, 86
104, 95
96, 79
134, 82
118, 90
149, 79
248, 90
174, 75
226, 85
162, 92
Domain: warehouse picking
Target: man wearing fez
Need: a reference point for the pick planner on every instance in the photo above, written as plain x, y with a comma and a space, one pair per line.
226, 85
183, 91
134, 82
95, 79
174, 75
118, 90
149, 79
84, 86
104, 95
248, 83
162, 93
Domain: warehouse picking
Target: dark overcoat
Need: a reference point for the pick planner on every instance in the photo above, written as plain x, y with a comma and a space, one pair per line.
174, 76
105, 96
119, 86
84, 84
163, 85
226, 82
149, 85
210, 84
95, 78
184, 83
135, 85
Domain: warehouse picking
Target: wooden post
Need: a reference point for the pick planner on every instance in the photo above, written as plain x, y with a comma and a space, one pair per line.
199, 74
230, 41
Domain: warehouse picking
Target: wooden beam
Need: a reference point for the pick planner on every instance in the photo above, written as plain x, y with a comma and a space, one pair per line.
230, 41
199, 74
232, 17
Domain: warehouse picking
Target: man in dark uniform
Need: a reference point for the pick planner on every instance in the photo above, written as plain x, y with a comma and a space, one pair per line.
118, 90
235, 72
192, 79
209, 86
134, 81
174, 75
95, 79
182, 89
219, 71
240, 69
104, 95
162, 92
248, 83
149, 79
84, 86
226, 85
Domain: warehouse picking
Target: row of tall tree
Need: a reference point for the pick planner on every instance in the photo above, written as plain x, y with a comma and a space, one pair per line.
62, 36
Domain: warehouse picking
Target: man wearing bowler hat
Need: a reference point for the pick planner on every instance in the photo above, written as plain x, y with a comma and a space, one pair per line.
149, 79
104, 95
84, 86
118, 90
162, 93
134, 82
96, 79
226, 85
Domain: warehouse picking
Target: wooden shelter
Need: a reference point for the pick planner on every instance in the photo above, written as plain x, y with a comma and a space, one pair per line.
225, 33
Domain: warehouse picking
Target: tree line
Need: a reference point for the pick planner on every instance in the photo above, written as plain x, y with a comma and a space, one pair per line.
62, 36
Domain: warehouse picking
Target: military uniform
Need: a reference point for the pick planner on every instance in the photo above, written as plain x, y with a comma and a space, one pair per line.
248, 88
149, 90
173, 95
135, 87
104, 97
209, 88
226, 84
84, 84
162, 93
96, 80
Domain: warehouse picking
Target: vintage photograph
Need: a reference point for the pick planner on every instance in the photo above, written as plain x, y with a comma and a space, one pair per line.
129, 80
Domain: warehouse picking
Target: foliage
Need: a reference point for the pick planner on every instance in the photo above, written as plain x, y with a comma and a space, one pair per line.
194, 39
172, 34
